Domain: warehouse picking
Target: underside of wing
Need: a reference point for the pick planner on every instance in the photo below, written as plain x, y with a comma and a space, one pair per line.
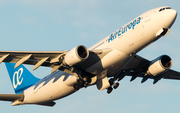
44, 58
36, 58
171, 74
62, 60
156, 69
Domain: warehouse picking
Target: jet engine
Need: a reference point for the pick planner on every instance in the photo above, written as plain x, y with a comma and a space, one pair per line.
76, 55
159, 65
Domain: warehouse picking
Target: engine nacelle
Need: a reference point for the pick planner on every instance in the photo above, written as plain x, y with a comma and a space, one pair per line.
76, 55
159, 65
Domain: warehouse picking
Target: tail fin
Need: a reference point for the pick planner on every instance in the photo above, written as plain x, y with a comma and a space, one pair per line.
21, 78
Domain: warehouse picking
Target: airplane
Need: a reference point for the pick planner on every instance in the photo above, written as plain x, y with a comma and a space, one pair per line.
104, 64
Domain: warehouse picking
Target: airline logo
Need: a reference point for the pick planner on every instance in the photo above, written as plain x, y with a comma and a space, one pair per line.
17, 79
124, 29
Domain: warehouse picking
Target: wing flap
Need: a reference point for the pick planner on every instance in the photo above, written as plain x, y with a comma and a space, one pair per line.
23, 59
39, 63
3, 57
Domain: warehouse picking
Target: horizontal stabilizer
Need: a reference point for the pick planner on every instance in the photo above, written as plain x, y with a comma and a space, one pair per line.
11, 97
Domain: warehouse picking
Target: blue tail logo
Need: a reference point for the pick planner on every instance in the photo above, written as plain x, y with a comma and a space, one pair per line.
17, 79
21, 78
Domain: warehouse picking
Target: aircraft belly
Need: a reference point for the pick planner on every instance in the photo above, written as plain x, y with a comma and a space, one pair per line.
111, 71
110, 61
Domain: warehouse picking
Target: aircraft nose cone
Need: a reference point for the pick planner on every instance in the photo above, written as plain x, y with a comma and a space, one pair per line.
172, 17
173, 14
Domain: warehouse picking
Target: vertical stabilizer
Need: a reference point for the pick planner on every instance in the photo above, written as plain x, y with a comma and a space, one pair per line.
21, 78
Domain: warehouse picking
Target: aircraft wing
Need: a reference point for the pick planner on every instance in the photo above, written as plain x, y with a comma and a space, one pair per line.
137, 67
37, 58
171, 74
47, 58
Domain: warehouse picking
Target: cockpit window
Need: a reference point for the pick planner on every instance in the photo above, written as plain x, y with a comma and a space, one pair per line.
168, 8
162, 9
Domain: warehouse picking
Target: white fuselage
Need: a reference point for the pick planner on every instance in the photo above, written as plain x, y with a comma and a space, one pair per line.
130, 39
52, 87
124, 42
